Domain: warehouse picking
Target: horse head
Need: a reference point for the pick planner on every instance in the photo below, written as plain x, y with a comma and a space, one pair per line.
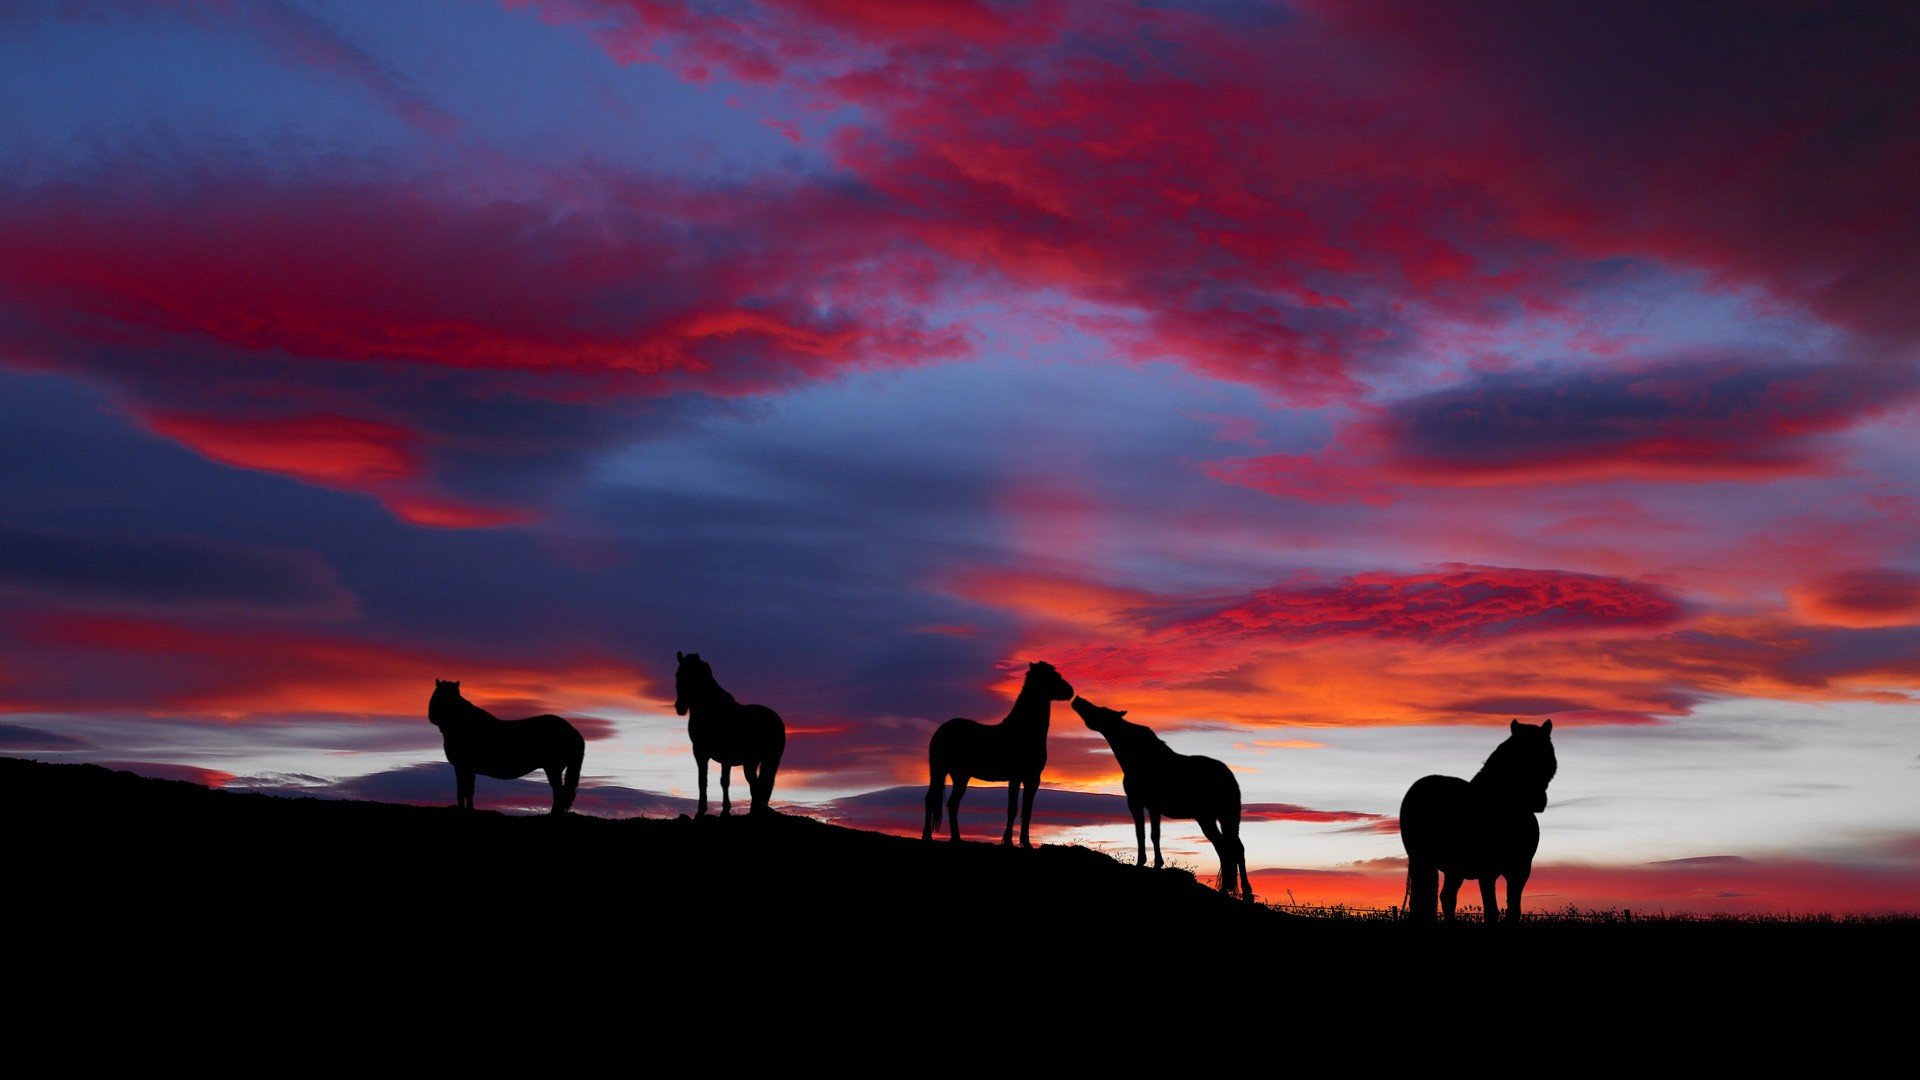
1525, 763
1099, 718
1043, 679
693, 674
445, 693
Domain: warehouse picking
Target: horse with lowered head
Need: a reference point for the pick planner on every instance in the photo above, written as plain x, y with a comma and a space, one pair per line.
1482, 828
1014, 750
723, 730
1159, 781
480, 743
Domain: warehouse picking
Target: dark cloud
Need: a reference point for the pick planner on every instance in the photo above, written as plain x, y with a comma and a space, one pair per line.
161, 770
1682, 421
159, 573
432, 784
14, 737
903, 809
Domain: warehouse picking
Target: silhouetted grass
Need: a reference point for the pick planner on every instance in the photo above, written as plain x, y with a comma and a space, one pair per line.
1573, 915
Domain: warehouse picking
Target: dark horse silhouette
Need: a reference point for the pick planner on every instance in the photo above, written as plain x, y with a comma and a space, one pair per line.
1483, 828
1014, 750
479, 742
723, 730
1160, 781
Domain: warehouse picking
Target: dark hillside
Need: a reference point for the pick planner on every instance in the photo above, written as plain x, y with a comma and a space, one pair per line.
254, 886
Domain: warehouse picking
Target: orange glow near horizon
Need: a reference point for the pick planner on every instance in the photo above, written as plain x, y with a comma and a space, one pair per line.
1381, 651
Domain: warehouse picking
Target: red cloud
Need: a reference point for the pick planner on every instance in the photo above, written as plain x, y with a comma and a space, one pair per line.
336, 452
720, 293
112, 664
1451, 604
1456, 645
438, 513
1406, 164
1774, 148
333, 451
1291, 812
1861, 598
267, 285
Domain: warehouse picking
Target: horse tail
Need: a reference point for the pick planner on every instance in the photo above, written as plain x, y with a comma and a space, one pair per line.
936, 788
1230, 828
570, 778
770, 767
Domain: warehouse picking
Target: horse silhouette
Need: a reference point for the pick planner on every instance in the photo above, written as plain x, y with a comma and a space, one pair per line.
1483, 828
479, 742
1014, 750
1160, 781
723, 730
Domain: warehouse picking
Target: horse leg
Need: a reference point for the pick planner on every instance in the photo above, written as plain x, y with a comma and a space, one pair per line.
1423, 890
953, 806
572, 780
556, 781
1449, 893
463, 789
936, 791
1490, 899
701, 760
1230, 828
1153, 815
1013, 808
1139, 813
769, 769
1212, 832
751, 770
1026, 809
1516, 882
726, 781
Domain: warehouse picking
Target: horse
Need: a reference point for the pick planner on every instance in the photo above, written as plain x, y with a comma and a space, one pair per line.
1014, 750
1160, 781
479, 742
1483, 828
723, 730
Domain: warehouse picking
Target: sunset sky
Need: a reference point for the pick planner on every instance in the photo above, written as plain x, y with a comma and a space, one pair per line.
1326, 383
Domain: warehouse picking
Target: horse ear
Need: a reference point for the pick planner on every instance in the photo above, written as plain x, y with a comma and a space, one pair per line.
1514, 727
1119, 712
1547, 728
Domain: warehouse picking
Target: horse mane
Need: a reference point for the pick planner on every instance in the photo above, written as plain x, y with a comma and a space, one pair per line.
1142, 737
448, 705
709, 686
1514, 764
1034, 671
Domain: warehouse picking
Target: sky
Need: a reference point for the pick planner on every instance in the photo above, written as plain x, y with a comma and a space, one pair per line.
1327, 384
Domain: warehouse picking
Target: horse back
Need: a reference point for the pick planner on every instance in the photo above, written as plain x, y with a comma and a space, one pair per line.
1445, 822
740, 735
548, 731
769, 731
984, 751
507, 749
1187, 786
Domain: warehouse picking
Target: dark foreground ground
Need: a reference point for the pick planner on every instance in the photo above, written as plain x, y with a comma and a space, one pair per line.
182, 895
